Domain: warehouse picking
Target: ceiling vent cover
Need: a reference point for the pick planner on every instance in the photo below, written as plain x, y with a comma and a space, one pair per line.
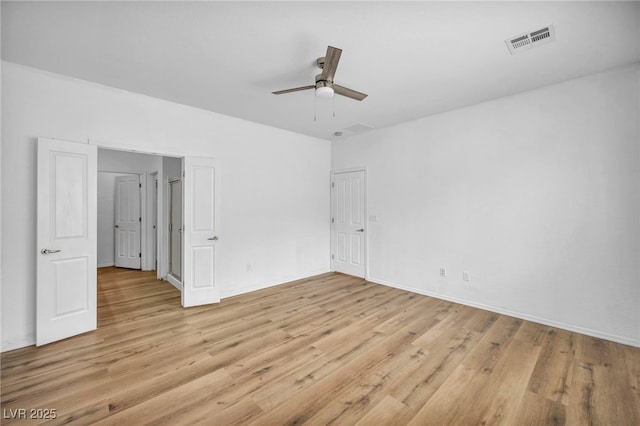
356, 128
526, 41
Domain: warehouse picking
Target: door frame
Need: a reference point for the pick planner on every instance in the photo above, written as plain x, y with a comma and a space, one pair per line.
152, 240
143, 178
162, 269
366, 217
173, 279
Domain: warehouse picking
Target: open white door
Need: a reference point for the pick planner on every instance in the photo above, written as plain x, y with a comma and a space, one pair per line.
347, 223
67, 241
128, 222
200, 232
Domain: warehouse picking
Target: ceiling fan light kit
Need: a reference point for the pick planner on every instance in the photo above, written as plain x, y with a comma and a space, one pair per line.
324, 92
324, 87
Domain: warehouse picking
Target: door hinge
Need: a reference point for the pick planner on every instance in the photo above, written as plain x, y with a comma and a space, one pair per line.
333, 184
139, 254
332, 257
139, 185
139, 219
333, 220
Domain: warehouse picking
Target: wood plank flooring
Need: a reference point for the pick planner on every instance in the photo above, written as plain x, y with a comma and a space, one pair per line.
331, 349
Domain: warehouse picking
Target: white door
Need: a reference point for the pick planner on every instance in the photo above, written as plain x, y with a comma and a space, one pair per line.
67, 240
200, 189
128, 222
348, 223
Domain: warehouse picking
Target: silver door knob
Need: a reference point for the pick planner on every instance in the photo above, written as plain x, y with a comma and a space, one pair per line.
47, 251
360, 230
214, 238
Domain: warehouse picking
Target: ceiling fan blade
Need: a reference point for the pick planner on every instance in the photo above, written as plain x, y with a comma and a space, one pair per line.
295, 89
330, 63
349, 93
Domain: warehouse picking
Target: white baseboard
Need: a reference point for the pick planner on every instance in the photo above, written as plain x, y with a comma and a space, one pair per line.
104, 265
569, 327
174, 281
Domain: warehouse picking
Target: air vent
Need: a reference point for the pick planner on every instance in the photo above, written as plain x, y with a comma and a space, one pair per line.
356, 128
526, 41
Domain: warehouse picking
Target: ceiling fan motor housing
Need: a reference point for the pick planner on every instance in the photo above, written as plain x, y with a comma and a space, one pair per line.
320, 82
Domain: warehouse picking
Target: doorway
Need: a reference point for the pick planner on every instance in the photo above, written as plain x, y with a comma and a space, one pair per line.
175, 230
119, 225
68, 237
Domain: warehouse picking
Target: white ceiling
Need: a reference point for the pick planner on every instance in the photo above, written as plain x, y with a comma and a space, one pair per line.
414, 59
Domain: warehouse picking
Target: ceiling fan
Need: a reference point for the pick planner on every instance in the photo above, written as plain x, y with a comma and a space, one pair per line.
325, 87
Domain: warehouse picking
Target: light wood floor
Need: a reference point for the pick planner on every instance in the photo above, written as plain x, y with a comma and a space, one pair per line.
332, 349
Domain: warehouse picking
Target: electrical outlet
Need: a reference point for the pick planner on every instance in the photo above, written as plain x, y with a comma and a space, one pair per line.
443, 272
466, 276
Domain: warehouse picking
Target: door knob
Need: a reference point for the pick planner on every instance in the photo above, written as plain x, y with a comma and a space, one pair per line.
47, 251
360, 230
214, 238
116, 226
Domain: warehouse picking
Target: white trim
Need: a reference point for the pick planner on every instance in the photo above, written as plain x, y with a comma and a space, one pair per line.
106, 265
142, 180
174, 281
151, 252
349, 170
569, 327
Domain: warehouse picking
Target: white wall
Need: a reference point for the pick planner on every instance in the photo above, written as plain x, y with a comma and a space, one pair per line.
536, 195
274, 196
